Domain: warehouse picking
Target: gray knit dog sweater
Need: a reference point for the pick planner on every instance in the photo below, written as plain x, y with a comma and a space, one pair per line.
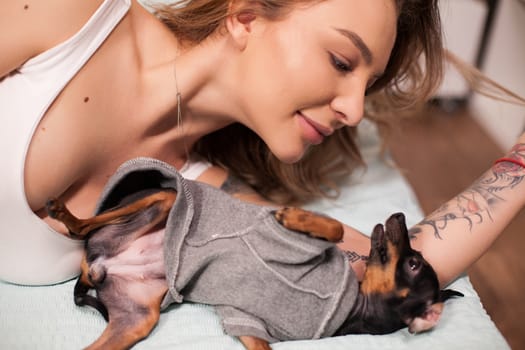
263, 279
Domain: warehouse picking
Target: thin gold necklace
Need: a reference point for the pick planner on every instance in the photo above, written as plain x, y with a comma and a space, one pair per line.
179, 96
179, 110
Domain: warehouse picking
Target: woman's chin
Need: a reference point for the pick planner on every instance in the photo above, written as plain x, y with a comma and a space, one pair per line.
290, 156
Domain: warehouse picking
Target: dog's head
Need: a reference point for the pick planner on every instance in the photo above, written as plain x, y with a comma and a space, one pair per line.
399, 288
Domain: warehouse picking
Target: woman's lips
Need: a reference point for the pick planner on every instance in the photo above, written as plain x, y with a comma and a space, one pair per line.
312, 131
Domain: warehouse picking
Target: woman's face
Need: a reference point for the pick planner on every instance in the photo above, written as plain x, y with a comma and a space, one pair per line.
306, 75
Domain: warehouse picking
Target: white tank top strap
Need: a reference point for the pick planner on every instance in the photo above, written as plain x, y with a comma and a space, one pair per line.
194, 167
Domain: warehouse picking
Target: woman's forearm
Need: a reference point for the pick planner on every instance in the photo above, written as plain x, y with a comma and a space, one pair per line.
357, 247
455, 235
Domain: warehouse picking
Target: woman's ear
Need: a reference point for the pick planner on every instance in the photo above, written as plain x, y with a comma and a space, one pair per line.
239, 25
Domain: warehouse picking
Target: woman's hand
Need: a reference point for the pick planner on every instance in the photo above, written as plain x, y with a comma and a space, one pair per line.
521, 138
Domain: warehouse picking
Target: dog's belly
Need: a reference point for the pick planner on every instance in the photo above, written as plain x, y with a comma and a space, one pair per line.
143, 259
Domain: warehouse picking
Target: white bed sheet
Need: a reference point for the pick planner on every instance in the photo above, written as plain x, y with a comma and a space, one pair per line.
46, 317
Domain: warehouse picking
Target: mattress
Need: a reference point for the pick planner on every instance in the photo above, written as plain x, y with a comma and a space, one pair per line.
46, 317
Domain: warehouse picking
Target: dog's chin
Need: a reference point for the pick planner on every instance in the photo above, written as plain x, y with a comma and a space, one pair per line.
427, 321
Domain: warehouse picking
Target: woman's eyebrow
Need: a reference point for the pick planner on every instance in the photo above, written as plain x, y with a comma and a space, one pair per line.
358, 42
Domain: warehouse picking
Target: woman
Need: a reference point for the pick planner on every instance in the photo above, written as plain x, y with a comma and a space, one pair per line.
262, 89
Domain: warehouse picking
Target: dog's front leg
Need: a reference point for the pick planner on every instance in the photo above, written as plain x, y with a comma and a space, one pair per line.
315, 225
254, 343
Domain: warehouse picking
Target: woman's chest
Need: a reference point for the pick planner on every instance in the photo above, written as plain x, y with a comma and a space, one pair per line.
96, 123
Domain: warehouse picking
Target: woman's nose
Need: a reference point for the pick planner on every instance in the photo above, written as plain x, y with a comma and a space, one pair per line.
349, 106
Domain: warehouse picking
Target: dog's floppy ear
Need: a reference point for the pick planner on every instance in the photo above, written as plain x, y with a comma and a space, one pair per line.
432, 314
449, 293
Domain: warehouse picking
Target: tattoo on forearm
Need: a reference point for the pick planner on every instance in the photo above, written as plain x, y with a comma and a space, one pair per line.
354, 257
475, 205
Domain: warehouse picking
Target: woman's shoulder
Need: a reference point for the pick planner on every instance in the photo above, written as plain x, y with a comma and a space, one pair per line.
30, 28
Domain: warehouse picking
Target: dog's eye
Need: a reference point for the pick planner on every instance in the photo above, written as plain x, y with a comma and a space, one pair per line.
414, 264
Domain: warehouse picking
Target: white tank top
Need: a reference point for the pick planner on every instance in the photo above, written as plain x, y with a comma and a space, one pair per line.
30, 251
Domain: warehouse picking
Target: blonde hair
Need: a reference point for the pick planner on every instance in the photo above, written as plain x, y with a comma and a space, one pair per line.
413, 73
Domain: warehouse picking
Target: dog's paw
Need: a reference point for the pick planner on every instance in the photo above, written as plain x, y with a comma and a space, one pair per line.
280, 215
293, 218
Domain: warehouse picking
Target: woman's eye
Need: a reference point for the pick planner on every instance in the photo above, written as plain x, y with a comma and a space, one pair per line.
340, 65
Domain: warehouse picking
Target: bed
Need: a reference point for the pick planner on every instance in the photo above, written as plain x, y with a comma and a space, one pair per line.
46, 317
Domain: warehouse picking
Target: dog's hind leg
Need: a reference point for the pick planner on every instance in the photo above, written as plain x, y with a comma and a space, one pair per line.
131, 318
125, 331
315, 225
79, 228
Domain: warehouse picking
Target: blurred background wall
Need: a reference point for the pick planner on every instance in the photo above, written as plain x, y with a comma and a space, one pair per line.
500, 25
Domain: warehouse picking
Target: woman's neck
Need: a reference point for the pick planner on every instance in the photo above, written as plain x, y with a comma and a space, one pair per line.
204, 80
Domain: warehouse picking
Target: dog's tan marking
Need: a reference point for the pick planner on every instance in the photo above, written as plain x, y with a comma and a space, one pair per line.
315, 225
84, 272
254, 343
403, 293
381, 279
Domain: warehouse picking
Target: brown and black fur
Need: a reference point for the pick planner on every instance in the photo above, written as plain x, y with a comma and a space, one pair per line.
399, 287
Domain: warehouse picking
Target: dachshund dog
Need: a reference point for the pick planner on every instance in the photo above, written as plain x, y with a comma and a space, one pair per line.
126, 262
